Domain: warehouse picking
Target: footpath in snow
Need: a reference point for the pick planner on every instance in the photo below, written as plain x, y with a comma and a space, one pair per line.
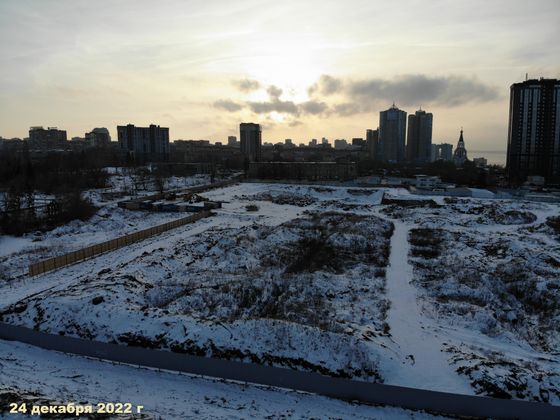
417, 360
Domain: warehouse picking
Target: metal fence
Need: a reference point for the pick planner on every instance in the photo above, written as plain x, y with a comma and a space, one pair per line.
107, 246
344, 389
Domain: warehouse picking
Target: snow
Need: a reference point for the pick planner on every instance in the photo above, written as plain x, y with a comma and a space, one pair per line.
56, 378
11, 245
480, 193
450, 305
418, 348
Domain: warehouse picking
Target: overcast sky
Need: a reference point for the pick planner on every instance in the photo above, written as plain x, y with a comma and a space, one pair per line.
302, 69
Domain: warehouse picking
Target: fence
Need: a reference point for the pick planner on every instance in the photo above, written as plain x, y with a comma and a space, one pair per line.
345, 389
107, 246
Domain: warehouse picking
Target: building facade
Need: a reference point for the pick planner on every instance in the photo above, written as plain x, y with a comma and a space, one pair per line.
534, 130
419, 137
372, 143
250, 136
480, 162
303, 171
340, 144
392, 134
443, 151
146, 143
98, 137
47, 139
232, 141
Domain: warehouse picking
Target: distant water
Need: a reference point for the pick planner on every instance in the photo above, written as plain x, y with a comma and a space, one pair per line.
494, 157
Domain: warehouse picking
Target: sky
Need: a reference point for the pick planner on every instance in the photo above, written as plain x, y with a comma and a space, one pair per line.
302, 69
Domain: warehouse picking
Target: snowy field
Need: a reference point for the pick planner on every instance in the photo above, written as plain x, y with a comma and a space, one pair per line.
457, 295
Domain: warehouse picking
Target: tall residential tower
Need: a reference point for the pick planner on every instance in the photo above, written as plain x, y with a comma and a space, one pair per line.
392, 134
419, 138
534, 130
250, 138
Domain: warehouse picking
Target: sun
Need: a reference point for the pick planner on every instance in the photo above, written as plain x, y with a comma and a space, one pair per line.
290, 64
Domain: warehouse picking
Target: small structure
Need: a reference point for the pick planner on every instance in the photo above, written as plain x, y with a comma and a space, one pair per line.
535, 180
480, 162
426, 182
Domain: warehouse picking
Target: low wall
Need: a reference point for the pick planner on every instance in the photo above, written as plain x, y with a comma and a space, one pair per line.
345, 389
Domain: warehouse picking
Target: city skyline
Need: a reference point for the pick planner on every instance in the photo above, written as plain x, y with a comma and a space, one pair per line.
298, 73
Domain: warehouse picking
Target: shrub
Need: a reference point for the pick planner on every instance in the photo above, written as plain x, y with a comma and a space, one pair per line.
252, 207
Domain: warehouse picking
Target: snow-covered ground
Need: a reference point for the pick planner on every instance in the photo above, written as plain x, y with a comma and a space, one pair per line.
110, 221
461, 297
276, 285
418, 351
16, 253
41, 377
487, 275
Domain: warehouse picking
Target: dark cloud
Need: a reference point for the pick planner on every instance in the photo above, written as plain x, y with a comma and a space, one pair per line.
228, 105
326, 85
246, 85
314, 107
347, 108
287, 107
369, 95
423, 90
274, 92
284, 107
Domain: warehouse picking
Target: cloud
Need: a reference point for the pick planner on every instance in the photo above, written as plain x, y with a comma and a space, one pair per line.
369, 95
287, 107
274, 92
347, 108
246, 85
228, 105
326, 85
283, 107
419, 89
314, 107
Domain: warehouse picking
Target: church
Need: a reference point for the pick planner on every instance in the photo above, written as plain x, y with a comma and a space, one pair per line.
460, 154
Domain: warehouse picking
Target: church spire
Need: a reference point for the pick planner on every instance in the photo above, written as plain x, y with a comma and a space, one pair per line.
460, 154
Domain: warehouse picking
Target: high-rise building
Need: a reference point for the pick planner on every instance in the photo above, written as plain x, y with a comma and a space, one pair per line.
372, 143
144, 142
250, 137
392, 134
47, 139
460, 154
98, 137
419, 138
534, 130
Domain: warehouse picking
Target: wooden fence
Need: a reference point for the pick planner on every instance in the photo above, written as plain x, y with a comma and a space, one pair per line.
107, 246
